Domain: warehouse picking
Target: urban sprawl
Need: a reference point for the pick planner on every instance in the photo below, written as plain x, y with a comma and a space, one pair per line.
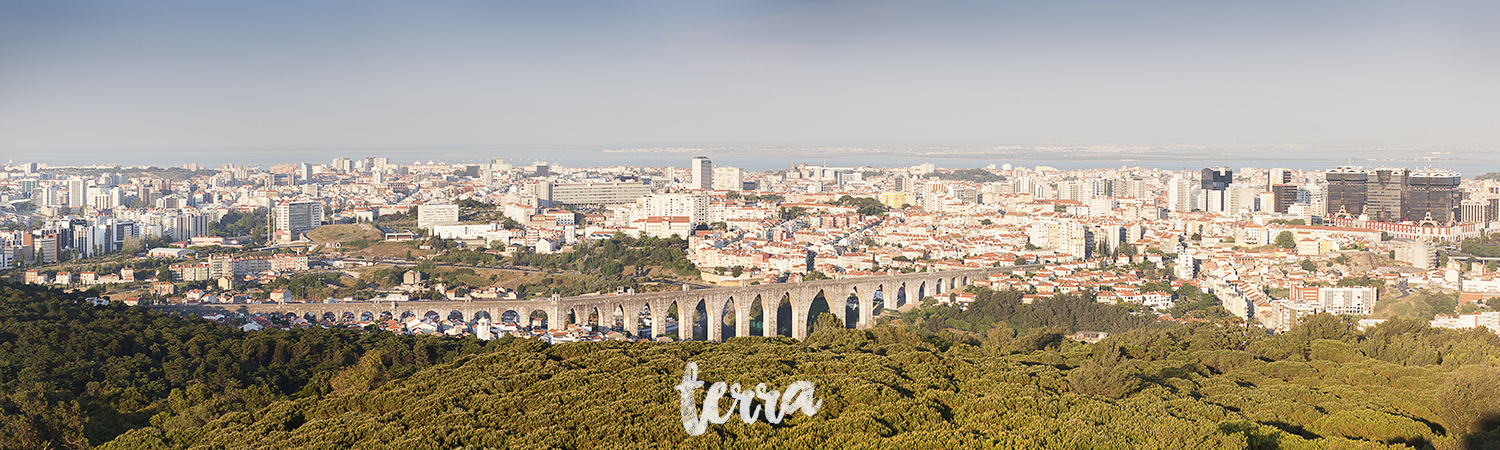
1265, 246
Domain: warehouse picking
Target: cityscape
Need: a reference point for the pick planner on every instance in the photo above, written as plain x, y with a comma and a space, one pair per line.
1272, 245
869, 224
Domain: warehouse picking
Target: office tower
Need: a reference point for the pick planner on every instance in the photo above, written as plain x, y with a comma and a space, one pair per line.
1277, 176
292, 219
30, 168
1383, 194
471, 170
542, 169
703, 173
1217, 178
304, 172
342, 164
1346, 191
1283, 193
77, 193
1432, 196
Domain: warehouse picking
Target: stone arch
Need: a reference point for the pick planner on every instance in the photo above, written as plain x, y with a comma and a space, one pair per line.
728, 318
407, 315
384, 316
538, 318
755, 320
818, 305
329, 316
366, 316
646, 322
455, 315
850, 308
617, 317
483, 314
511, 316
784, 314
698, 322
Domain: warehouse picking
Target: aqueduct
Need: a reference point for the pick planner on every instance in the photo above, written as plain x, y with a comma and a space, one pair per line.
714, 313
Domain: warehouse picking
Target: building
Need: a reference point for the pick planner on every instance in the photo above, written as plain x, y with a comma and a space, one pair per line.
1346, 191
702, 173
1286, 314
429, 215
694, 207
292, 219
729, 179
1216, 178
1180, 193
77, 192
1383, 194
1432, 196
1355, 300
615, 193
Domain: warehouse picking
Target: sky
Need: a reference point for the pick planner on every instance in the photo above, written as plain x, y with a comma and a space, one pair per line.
85, 78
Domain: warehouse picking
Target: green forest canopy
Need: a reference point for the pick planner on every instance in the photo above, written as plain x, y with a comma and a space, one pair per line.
75, 376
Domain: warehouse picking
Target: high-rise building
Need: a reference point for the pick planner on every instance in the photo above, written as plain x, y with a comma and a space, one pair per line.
1383, 194
77, 192
292, 219
702, 173
1346, 191
1134, 187
542, 169
1217, 178
1283, 193
1432, 195
1180, 193
342, 164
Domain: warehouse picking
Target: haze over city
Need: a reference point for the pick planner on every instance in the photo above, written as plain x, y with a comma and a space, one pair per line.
858, 224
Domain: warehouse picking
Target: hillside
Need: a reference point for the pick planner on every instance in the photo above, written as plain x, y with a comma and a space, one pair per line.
892, 388
75, 376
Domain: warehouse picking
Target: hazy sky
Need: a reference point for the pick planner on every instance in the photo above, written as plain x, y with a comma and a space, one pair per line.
86, 76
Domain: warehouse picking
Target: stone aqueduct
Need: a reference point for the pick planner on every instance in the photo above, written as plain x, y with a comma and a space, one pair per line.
742, 302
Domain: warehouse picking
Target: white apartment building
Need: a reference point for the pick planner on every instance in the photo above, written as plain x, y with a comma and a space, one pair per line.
692, 206
429, 215
292, 219
729, 178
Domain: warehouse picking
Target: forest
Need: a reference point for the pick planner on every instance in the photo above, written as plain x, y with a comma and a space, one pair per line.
76, 376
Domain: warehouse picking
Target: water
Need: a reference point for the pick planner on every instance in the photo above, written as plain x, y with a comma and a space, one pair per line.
1479, 161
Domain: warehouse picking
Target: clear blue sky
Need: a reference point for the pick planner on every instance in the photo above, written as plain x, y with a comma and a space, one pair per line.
106, 75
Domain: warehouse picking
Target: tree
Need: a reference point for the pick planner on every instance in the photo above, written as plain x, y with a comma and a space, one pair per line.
1308, 265
1286, 240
